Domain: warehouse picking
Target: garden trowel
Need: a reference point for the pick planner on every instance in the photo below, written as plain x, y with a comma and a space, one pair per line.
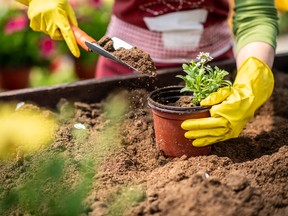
89, 44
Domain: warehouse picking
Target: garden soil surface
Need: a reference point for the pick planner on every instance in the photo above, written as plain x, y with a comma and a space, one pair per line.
247, 175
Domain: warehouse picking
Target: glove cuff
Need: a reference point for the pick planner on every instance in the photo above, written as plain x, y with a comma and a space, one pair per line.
258, 78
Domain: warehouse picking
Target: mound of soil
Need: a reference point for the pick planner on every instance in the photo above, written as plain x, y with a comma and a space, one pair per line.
242, 176
134, 57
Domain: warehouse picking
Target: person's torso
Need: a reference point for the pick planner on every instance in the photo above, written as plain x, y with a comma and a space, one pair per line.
172, 30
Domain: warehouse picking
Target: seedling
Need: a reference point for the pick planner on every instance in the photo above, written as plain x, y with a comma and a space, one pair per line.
202, 79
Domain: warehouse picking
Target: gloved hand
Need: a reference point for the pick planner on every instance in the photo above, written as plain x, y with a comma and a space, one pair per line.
53, 17
253, 85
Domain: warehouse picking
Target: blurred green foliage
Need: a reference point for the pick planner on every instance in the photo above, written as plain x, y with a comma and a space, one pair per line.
20, 45
42, 76
44, 191
283, 22
124, 199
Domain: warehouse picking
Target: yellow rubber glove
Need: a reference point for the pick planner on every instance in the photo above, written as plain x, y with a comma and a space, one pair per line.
253, 85
25, 2
53, 17
281, 5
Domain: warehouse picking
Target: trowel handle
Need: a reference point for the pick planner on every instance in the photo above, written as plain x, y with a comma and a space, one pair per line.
81, 37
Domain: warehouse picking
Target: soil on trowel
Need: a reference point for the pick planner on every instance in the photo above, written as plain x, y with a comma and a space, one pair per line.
134, 57
116, 156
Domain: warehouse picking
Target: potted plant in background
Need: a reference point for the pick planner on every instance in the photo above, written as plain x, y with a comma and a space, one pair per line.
21, 49
172, 105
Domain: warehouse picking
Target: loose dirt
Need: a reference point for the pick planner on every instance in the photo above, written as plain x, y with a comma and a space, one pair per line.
127, 175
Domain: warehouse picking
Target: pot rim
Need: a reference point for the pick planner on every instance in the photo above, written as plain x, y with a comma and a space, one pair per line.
172, 109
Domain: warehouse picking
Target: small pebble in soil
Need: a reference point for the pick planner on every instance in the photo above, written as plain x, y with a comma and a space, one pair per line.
236, 181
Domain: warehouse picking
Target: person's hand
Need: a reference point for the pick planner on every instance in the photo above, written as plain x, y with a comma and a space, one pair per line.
232, 107
53, 17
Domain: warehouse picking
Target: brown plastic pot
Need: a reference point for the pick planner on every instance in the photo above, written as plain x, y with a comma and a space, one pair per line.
84, 70
14, 78
168, 119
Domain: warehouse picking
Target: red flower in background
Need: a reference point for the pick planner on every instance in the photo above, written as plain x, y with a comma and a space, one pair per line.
16, 24
96, 3
47, 46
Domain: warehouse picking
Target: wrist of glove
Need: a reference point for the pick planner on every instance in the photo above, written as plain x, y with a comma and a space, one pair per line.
232, 107
54, 18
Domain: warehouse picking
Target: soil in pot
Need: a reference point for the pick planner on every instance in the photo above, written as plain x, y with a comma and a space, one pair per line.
127, 175
170, 108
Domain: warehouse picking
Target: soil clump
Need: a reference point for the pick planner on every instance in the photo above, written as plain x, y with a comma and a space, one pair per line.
135, 57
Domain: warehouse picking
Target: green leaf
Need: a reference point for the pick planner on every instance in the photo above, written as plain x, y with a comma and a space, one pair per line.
202, 80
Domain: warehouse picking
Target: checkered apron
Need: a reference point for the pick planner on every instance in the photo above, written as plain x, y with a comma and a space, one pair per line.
215, 39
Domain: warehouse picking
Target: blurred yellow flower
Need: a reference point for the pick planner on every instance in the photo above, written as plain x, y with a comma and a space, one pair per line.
25, 130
